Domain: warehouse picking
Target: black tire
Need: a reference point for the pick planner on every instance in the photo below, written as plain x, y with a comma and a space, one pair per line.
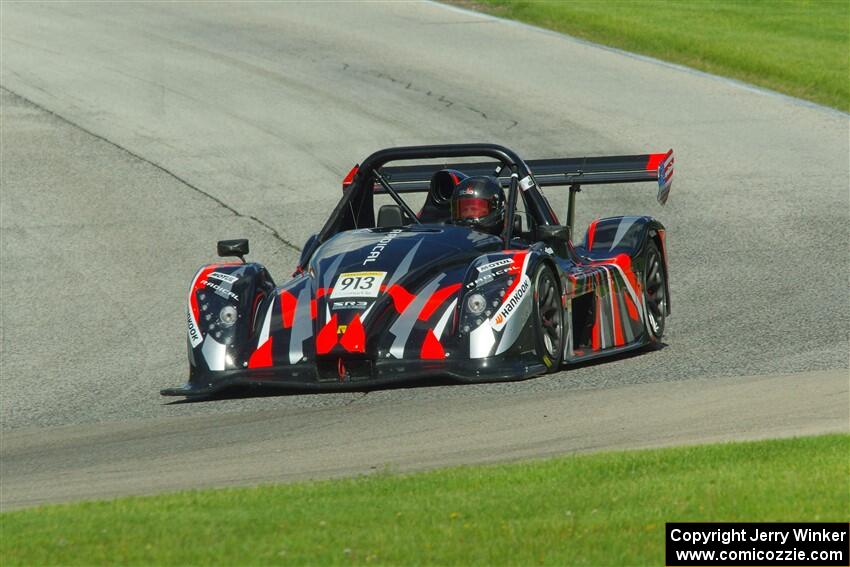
548, 318
655, 292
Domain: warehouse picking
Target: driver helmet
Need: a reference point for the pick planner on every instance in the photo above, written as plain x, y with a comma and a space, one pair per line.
479, 203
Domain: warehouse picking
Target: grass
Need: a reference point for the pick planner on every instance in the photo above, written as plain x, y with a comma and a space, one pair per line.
797, 47
607, 508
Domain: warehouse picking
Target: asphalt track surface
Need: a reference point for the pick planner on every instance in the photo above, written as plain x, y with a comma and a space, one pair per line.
134, 136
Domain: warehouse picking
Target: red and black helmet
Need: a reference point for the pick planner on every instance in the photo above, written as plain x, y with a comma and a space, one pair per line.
479, 203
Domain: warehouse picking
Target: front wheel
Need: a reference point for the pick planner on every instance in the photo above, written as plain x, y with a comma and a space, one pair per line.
548, 318
655, 292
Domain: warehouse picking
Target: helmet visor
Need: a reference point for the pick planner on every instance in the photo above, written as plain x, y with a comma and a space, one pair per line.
470, 208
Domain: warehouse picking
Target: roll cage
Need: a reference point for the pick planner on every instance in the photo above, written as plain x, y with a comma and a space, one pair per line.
356, 208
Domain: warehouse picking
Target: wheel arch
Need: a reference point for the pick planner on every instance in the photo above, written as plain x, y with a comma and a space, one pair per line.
545, 261
657, 233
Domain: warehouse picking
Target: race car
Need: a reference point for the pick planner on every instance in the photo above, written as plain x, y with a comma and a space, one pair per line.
387, 293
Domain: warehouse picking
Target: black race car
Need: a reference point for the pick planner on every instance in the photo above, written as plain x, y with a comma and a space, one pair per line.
388, 295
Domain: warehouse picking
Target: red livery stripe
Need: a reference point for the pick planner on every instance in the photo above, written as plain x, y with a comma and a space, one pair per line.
594, 339
287, 308
262, 357
349, 179
401, 297
591, 232
630, 306
625, 263
519, 260
437, 299
618, 324
327, 337
431, 348
596, 334
654, 161
354, 339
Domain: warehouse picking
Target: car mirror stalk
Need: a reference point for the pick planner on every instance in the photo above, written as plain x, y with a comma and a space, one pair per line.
556, 236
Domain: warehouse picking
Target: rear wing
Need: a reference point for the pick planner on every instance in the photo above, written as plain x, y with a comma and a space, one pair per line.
548, 172
599, 170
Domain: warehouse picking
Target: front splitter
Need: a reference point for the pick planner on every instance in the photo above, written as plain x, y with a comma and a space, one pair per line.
358, 375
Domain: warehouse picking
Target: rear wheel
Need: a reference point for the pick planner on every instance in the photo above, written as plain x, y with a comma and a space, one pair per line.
548, 318
655, 291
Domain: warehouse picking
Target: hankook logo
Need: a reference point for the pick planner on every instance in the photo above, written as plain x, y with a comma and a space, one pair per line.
194, 334
509, 306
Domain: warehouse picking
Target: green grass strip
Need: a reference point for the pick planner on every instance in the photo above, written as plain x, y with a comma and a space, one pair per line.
797, 47
605, 508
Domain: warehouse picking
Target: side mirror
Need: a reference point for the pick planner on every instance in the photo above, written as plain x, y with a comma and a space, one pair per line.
238, 248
